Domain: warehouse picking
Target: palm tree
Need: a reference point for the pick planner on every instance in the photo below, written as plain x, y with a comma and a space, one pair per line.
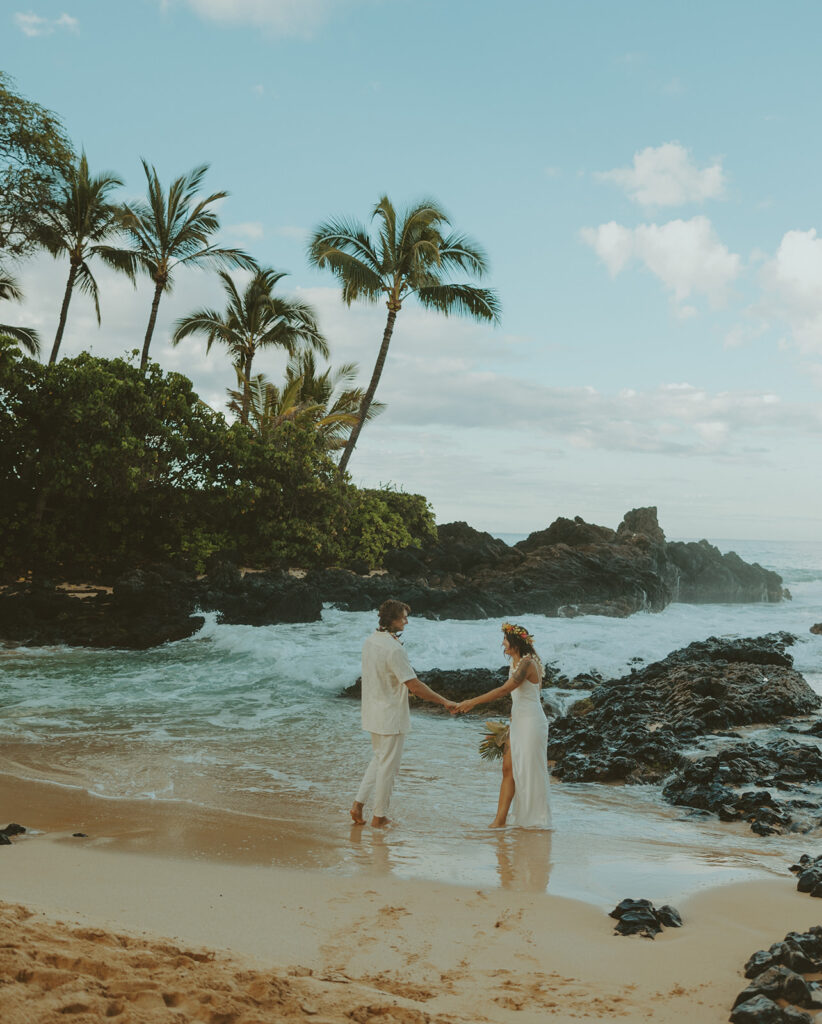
265, 406
172, 229
253, 320
409, 256
76, 224
26, 337
333, 396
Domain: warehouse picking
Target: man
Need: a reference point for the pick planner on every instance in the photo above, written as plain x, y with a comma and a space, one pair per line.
387, 678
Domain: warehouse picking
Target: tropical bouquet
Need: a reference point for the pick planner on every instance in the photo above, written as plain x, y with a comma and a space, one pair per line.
492, 745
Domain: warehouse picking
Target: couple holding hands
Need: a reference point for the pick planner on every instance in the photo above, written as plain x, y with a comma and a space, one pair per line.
388, 678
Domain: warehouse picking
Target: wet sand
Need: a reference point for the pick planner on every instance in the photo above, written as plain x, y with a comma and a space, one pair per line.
161, 915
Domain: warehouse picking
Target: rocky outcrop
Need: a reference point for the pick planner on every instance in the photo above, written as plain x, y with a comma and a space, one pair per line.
639, 728
816, 629
352, 593
706, 576
571, 568
142, 611
454, 684
720, 784
636, 727
257, 599
462, 684
146, 608
809, 872
776, 977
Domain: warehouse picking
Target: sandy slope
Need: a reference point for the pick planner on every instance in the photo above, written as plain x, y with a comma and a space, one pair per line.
302, 945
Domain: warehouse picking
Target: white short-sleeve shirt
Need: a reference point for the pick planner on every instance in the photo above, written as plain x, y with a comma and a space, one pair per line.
385, 670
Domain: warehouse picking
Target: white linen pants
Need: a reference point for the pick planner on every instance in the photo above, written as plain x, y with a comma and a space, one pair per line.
381, 771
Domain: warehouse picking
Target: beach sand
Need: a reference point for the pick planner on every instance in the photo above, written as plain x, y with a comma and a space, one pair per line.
100, 928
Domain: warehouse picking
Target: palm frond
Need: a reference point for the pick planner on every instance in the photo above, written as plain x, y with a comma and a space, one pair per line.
214, 256
458, 252
204, 321
345, 236
9, 288
86, 283
358, 280
26, 337
117, 259
463, 300
423, 217
492, 745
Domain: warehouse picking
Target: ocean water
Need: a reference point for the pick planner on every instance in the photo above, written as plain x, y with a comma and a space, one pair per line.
249, 719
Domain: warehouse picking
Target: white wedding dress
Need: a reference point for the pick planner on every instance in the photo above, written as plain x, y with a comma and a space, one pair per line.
529, 738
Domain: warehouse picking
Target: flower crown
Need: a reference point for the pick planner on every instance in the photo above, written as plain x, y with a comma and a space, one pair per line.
520, 631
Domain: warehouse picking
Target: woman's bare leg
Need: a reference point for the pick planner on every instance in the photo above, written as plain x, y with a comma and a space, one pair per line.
506, 789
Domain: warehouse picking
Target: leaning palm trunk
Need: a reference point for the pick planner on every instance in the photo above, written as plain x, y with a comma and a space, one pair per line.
246, 390
152, 320
409, 256
368, 397
63, 314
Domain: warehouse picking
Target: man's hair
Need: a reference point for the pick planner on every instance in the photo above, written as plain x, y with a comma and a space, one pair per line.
390, 611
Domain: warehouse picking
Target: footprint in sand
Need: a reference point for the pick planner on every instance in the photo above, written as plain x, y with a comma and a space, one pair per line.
388, 913
399, 988
387, 1015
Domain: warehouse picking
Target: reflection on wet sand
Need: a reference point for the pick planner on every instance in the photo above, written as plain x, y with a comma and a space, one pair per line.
524, 859
371, 850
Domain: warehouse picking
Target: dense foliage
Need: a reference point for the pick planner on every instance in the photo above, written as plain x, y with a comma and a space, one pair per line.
34, 151
107, 467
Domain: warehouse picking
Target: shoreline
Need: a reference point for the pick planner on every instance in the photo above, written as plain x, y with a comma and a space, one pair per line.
362, 948
594, 867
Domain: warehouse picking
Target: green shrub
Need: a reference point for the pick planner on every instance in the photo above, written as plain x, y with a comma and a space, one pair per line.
109, 468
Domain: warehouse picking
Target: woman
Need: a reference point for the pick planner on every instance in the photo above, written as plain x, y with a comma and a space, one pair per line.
524, 763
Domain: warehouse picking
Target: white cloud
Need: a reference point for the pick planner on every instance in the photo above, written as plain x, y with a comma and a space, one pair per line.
32, 25
282, 17
792, 288
296, 234
453, 421
437, 375
685, 255
743, 333
613, 243
666, 175
246, 229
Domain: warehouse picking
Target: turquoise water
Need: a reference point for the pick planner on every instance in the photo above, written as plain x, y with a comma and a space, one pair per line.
248, 719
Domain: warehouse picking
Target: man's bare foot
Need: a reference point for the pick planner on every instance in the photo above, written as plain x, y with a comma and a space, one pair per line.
497, 824
380, 822
356, 813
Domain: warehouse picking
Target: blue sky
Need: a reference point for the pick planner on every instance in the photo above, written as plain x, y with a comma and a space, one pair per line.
644, 176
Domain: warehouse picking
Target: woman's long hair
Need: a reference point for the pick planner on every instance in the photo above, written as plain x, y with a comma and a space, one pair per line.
523, 643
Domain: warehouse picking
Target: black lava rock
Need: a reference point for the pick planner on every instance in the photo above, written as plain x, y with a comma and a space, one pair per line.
756, 1010
12, 829
640, 917
636, 727
455, 684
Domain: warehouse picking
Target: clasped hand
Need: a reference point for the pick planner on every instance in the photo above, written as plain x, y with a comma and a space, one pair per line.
461, 708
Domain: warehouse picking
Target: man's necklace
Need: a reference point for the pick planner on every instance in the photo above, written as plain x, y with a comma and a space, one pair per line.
396, 636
